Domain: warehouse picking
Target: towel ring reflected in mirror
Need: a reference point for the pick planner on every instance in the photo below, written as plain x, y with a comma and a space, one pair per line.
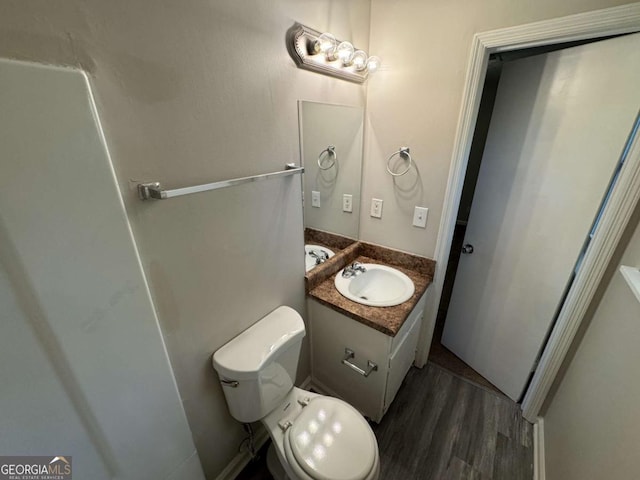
403, 152
328, 155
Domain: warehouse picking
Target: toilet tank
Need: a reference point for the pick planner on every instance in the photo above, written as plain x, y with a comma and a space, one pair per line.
258, 367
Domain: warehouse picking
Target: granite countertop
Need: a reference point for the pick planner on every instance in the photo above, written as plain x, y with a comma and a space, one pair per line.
387, 320
326, 239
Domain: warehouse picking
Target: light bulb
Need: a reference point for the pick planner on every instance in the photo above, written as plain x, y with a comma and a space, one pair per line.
359, 60
345, 53
373, 63
325, 43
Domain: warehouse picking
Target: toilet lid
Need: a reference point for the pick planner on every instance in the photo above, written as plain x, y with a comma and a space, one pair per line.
331, 441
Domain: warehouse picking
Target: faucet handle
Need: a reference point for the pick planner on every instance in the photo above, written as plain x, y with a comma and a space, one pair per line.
320, 255
354, 269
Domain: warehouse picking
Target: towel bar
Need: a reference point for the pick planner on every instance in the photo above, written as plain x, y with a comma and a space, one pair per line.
154, 190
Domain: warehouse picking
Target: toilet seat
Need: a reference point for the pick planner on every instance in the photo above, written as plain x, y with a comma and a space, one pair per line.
330, 440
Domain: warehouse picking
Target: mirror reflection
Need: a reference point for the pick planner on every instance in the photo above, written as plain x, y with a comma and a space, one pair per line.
331, 151
331, 139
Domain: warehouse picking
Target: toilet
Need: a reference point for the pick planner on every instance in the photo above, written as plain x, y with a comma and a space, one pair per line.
314, 437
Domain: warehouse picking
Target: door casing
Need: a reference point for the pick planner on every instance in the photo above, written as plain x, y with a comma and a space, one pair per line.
616, 215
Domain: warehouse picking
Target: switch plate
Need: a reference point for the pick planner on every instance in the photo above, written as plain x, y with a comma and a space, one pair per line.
376, 207
420, 217
315, 199
347, 202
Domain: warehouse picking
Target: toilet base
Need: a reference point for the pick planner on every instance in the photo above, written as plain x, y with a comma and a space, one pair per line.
273, 464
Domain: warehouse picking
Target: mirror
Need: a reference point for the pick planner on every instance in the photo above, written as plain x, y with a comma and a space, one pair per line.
331, 173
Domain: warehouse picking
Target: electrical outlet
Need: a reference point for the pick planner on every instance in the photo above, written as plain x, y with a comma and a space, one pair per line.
420, 217
347, 202
315, 199
376, 207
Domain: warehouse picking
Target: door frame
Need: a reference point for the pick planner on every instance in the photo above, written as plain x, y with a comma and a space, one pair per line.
616, 214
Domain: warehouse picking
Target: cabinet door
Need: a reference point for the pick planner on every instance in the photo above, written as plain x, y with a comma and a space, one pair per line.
402, 359
332, 333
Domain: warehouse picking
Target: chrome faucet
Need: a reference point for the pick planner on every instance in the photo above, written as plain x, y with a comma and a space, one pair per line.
320, 255
353, 270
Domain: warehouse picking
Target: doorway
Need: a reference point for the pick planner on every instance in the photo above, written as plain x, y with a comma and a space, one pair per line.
440, 354
623, 200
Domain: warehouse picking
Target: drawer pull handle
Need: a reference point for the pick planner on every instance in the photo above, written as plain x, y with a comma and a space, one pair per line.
349, 354
230, 383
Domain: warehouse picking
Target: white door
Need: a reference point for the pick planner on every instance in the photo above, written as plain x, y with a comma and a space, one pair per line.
559, 125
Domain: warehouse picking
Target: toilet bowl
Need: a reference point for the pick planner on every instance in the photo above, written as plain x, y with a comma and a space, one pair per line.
314, 437
326, 438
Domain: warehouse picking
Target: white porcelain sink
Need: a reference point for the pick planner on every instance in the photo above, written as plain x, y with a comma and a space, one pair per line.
378, 286
310, 259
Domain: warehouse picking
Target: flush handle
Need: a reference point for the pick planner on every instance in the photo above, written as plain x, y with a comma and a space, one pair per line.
349, 354
230, 383
467, 249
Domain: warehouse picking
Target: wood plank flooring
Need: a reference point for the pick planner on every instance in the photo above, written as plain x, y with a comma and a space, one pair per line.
442, 427
442, 356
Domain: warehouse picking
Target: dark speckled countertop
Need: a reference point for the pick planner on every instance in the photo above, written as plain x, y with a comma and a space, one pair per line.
387, 320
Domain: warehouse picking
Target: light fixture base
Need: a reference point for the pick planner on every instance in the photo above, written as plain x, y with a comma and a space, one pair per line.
301, 42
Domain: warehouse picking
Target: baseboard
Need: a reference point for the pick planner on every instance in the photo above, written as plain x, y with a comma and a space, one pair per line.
538, 450
233, 469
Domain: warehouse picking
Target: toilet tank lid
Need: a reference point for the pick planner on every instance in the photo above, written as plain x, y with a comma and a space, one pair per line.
246, 354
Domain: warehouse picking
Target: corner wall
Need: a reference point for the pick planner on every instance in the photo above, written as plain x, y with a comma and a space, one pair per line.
189, 93
591, 423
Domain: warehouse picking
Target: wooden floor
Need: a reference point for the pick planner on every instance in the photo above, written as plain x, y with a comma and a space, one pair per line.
442, 427
443, 357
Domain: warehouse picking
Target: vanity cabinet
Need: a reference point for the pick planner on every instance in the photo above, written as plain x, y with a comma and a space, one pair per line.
333, 334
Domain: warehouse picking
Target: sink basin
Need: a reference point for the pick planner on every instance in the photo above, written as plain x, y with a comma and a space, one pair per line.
309, 259
378, 286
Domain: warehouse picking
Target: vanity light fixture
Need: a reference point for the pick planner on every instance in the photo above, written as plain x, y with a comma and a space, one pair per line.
359, 60
323, 53
373, 63
345, 53
326, 44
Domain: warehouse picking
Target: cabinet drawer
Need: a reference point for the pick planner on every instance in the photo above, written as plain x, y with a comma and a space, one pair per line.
332, 333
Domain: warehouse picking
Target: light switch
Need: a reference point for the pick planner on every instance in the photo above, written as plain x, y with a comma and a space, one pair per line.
315, 199
420, 217
376, 207
347, 202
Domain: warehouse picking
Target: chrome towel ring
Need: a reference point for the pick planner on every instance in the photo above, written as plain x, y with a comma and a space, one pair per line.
403, 152
330, 152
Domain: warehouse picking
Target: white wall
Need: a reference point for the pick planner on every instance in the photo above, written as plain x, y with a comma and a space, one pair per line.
591, 424
414, 100
193, 92
83, 366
